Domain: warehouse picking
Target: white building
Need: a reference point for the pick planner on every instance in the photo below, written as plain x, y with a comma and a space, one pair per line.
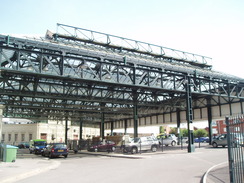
15, 132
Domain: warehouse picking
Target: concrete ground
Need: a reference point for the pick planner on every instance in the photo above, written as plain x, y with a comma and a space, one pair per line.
28, 165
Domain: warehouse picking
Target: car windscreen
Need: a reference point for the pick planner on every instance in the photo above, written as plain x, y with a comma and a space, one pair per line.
39, 143
60, 146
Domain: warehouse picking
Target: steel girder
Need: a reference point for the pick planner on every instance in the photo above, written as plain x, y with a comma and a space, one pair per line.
46, 79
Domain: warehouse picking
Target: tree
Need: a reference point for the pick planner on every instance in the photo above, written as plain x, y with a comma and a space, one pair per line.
173, 131
161, 129
184, 132
200, 133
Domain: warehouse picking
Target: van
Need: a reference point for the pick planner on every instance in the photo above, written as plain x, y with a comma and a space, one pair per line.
37, 146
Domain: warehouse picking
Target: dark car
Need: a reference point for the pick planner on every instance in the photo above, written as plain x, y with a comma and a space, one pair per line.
102, 146
23, 145
55, 150
201, 139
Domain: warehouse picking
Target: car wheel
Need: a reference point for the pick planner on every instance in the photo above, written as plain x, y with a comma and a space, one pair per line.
50, 155
113, 149
215, 145
124, 150
134, 150
154, 148
65, 156
173, 143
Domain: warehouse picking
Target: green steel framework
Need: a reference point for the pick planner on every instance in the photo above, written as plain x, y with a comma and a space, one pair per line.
87, 77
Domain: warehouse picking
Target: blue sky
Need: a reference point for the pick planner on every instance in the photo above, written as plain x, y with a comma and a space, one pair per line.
213, 28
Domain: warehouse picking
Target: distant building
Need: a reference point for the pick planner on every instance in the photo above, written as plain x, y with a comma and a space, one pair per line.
219, 127
15, 132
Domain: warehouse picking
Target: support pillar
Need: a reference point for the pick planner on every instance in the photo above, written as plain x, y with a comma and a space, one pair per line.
81, 131
1, 121
135, 114
126, 126
209, 109
102, 126
112, 128
178, 125
189, 115
102, 120
66, 130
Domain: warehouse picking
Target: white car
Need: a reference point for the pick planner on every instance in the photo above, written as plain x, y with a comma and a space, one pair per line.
169, 139
236, 139
141, 144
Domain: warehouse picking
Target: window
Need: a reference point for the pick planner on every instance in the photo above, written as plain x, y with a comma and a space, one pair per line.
75, 137
237, 129
3, 137
9, 137
44, 136
22, 137
15, 137
30, 136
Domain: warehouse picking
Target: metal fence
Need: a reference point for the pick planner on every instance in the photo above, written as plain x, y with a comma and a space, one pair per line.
235, 140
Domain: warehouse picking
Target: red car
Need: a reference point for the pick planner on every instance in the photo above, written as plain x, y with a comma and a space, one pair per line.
102, 146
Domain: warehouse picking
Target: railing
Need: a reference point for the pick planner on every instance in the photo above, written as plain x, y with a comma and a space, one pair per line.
235, 139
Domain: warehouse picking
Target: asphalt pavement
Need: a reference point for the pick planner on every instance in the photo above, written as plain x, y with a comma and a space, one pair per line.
27, 165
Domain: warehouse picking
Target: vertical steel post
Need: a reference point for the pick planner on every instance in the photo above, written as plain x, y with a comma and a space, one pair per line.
126, 125
209, 110
102, 120
1, 117
66, 130
61, 64
230, 157
178, 125
81, 131
189, 115
112, 128
135, 113
102, 126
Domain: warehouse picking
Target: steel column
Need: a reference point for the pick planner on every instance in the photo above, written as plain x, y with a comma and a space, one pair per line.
178, 124
126, 125
66, 130
112, 128
81, 131
135, 114
1, 116
102, 126
209, 110
189, 115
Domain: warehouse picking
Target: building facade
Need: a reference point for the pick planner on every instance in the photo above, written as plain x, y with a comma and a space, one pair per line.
52, 131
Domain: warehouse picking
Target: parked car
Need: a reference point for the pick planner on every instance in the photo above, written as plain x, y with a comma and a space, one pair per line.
235, 138
106, 145
23, 145
37, 146
201, 139
142, 143
169, 139
206, 139
183, 140
55, 150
